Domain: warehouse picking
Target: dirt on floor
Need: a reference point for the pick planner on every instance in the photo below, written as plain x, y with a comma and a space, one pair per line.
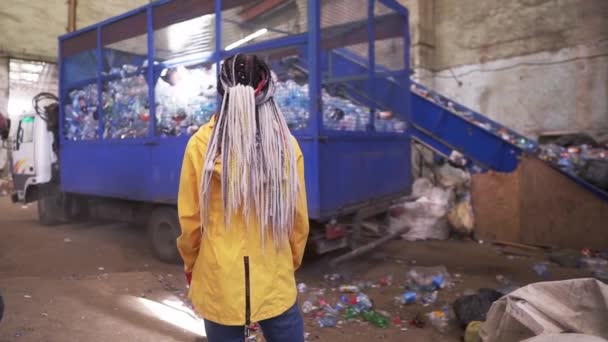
101, 282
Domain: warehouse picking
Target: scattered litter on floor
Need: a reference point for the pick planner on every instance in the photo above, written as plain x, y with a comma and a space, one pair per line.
542, 269
439, 319
67, 240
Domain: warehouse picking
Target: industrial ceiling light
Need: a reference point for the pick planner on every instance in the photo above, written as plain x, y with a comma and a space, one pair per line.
250, 37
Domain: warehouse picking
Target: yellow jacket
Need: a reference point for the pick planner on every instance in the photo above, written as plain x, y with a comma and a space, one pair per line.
218, 259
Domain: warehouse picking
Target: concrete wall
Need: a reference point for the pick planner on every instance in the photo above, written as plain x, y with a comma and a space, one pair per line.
563, 90
535, 65
473, 31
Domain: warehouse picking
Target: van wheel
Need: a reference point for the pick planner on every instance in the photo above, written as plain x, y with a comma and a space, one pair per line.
163, 231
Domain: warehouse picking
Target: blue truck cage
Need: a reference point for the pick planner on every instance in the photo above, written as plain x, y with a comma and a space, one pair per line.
346, 169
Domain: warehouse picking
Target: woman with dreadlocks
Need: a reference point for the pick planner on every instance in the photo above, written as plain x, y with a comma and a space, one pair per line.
242, 210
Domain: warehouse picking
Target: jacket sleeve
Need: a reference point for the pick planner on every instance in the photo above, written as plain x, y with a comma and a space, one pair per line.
188, 243
299, 235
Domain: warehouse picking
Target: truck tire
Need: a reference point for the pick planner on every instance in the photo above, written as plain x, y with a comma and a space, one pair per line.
163, 230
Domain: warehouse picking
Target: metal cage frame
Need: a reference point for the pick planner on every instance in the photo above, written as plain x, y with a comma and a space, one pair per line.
337, 162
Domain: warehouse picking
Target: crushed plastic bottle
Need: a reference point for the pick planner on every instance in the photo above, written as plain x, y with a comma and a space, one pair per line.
307, 307
350, 313
344, 299
330, 311
439, 320
364, 303
438, 281
375, 318
348, 288
427, 279
429, 298
327, 322
302, 288
541, 269
339, 306
408, 297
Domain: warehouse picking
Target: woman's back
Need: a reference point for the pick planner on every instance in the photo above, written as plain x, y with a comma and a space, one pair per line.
242, 205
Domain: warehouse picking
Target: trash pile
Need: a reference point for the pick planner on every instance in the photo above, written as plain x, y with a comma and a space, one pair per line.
81, 118
186, 98
126, 109
588, 160
436, 208
352, 302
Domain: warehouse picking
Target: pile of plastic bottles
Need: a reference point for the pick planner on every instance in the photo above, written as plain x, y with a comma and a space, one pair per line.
339, 114
182, 107
293, 101
126, 108
81, 114
571, 158
583, 161
185, 106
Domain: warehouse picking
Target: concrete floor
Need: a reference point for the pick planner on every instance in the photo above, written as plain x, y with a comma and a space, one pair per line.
100, 282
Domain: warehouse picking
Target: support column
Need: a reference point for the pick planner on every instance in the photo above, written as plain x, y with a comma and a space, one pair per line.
422, 30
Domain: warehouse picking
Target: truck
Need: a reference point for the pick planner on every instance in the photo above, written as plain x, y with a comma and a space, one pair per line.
133, 88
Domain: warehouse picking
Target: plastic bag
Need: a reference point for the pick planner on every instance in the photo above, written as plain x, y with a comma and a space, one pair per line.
425, 216
449, 176
573, 306
461, 217
421, 187
475, 307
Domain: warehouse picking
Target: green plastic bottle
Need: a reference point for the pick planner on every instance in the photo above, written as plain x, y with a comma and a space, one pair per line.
375, 319
350, 313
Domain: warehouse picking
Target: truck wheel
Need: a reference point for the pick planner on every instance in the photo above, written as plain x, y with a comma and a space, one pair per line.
51, 207
163, 230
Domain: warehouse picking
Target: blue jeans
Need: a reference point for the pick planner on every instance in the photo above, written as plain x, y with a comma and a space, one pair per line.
288, 326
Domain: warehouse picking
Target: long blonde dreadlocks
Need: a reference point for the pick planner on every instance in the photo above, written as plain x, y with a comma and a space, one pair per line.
254, 145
